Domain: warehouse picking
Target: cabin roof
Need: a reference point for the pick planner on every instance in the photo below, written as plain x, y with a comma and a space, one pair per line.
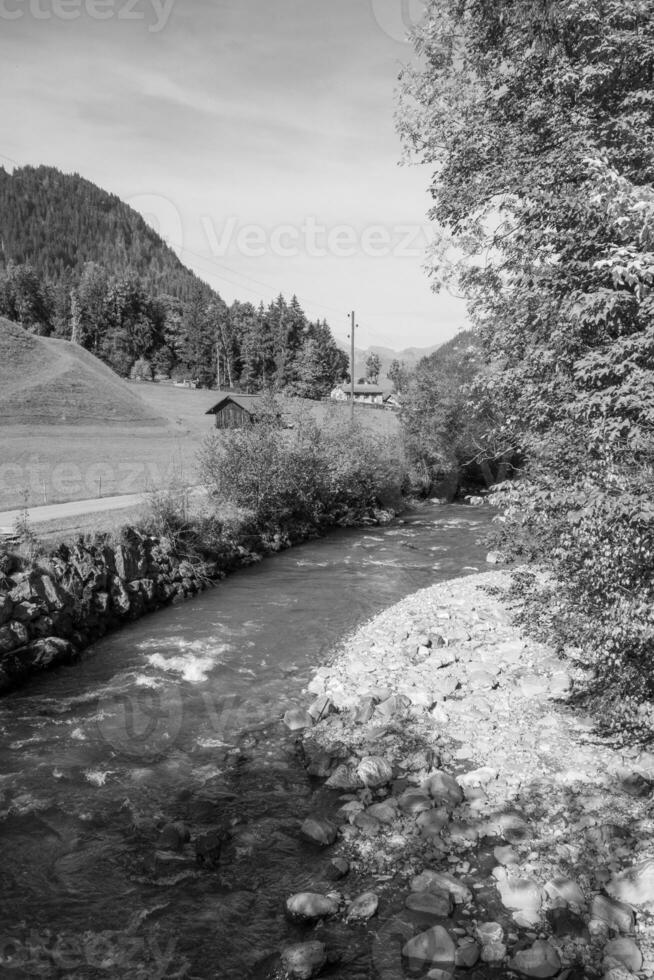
248, 403
360, 389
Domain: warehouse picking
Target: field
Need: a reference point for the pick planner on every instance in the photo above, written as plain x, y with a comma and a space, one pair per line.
72, 430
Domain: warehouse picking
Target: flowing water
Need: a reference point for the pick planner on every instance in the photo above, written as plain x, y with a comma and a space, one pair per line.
177, 718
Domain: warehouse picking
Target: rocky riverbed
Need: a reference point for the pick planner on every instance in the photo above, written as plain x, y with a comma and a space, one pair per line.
476, 825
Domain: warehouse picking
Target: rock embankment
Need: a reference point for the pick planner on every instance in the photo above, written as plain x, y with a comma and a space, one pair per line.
487, 828
55, 605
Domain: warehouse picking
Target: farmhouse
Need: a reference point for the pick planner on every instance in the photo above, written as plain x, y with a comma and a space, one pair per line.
235, 411
367, 394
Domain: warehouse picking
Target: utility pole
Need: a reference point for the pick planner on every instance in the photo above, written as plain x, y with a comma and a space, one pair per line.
352, 328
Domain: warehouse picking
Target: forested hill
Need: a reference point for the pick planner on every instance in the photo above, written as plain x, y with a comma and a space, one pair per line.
57, 222
79, 264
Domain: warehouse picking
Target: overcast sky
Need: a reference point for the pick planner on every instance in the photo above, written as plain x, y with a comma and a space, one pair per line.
256, 135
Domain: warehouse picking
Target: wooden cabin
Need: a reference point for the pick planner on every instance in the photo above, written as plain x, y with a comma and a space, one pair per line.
236, 411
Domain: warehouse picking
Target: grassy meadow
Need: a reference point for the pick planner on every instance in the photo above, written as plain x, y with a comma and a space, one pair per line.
70, 429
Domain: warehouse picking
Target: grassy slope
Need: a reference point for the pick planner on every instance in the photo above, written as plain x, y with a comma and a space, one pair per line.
70, 429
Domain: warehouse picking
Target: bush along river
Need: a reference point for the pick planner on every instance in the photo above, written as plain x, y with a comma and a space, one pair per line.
152, 797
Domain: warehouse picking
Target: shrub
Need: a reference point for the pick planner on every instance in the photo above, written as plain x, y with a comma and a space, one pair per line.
311, 473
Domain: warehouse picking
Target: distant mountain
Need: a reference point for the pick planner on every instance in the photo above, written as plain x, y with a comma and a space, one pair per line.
410, 356
77, 263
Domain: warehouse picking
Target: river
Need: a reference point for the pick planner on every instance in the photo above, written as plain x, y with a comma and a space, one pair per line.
178, 718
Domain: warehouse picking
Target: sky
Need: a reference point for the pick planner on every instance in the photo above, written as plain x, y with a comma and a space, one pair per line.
257, 136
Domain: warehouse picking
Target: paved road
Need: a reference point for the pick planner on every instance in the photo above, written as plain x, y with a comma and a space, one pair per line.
73, 508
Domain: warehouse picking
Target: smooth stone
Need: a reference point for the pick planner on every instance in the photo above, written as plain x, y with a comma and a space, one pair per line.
526, 919
304, 960
490, 932
374, 771
438, 881
343, 777
540, 960
626, 952
493, 952
369, 824
437, 974
297, 718
414, 801
521, 894
533, 685
443, 788
337, 868
467, 953
319, 830
308, 906
635, 885
505, 855
459, 830
510, 825
394, 706
385, 812
436, 903
365, 711
434, 947
363, 907
567, 890
615, 914
432, 822
477, 777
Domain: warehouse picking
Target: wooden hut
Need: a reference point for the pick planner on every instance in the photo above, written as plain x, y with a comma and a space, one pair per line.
235, 411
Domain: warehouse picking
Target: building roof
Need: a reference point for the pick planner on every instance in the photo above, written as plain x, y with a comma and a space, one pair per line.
360, 389
250, 403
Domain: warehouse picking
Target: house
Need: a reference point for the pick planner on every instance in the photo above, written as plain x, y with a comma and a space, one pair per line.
235, 411
366, 394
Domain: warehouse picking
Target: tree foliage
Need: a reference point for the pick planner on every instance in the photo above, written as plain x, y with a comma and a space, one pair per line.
314, 474
537, 120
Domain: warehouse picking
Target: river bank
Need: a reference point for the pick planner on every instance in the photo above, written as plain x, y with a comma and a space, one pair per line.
54, 604
485, 825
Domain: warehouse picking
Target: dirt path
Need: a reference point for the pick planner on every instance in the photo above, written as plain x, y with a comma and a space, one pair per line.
496, 832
